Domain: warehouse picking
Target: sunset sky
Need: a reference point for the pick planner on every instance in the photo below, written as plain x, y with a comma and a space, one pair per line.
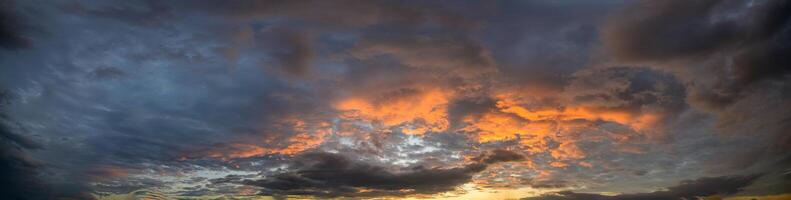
368, 99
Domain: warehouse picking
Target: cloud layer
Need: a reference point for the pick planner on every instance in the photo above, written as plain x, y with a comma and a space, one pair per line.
689, 189
364, 99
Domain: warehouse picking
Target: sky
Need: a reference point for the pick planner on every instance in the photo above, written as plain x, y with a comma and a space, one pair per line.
368, 99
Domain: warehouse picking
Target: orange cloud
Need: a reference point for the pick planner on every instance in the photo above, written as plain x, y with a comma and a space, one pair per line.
567, 150
496, 127
306, 136
636, 121
558, 164
420, 111
537, 128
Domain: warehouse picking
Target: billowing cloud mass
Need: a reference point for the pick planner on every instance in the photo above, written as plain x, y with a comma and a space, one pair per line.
395, 99
742, 42
331, 175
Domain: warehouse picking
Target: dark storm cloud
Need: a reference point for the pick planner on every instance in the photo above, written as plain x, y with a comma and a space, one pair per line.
690, 189
330, 175
17, 170
11, 29
21, 175
135, 99
746, 42
729, 55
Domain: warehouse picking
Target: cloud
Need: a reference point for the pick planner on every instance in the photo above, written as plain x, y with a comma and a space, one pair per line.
671, 29
20, 173
501, 155
689, 189
332, 175
138, 95
296, 55
11, 31
336, 14
17, 169
105, 73
729, 57
428, 109
444, 52
148, 13
742, 43
82, 148
631, 91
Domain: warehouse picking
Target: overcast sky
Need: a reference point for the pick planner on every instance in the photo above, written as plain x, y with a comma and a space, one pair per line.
360, 99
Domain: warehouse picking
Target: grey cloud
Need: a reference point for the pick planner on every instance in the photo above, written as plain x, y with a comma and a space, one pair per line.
128, 185
340, 13
21, 175
296, 52
11, 31
539, 44
388, 62
661, 24
461, 108
689, 189
501, 155
140, 86
159, 106
730, 57
634, 90
460, 55
149, 13
104, 73
331, 175
17, 169
742, 43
